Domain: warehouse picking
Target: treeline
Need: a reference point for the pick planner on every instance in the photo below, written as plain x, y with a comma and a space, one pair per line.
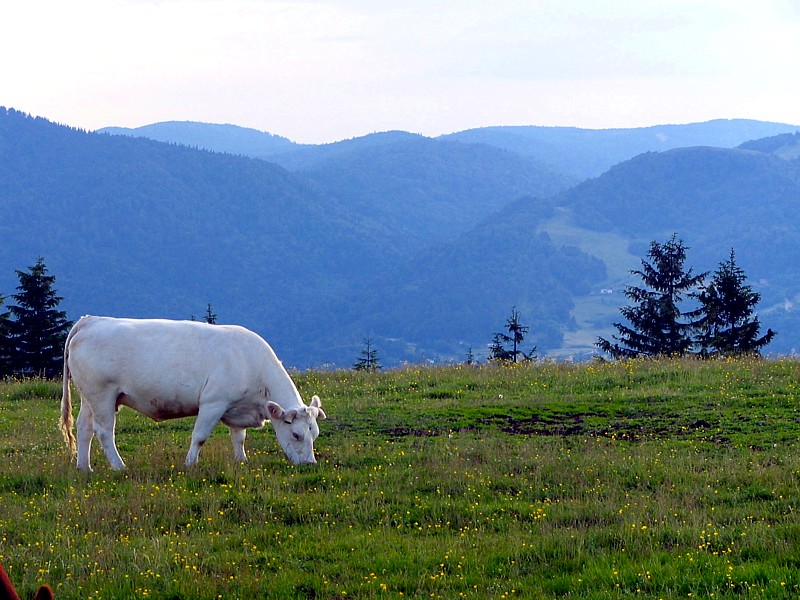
721, 320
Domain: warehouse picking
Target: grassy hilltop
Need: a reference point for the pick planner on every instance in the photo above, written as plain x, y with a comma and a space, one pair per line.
655, 479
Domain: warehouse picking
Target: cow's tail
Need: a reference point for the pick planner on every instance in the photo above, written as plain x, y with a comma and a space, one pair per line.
67, 421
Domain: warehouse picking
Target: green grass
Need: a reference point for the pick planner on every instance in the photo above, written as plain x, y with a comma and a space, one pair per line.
671, 479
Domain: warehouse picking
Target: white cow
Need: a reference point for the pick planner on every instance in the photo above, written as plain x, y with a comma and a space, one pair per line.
169, 369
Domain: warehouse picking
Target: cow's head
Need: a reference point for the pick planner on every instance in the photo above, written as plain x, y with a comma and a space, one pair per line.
297, 429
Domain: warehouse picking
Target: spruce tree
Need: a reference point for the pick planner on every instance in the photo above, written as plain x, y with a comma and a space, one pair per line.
38, 329
368, 359
728, 325
657, 327
211, 316
469, 358
515, 336
497, 349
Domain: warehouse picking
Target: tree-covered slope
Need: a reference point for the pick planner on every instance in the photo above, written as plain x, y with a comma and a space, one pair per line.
230, 139
454, 296
309, 156
423, 244
428, 191
589, 152
138, 228
785, 145
715, 199
419, 189
578, 152
134, 227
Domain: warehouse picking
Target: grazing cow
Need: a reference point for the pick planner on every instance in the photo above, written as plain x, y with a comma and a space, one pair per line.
170, 369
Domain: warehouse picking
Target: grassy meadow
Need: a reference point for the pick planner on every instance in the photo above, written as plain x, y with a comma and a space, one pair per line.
651, 479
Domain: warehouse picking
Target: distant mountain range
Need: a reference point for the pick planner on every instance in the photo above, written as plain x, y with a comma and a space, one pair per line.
422, 244
577, 153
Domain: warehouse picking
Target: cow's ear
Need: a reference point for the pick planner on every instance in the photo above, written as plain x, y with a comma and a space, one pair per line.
275, 410
317, 403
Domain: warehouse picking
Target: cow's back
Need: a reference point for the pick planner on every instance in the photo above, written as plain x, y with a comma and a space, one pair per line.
162, 358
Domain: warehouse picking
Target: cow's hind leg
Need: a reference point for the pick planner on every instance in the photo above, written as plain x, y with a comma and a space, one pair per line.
207, 419
237, 438
85, 435
105, 418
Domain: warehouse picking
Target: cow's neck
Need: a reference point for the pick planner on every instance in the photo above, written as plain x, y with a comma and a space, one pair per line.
282, 390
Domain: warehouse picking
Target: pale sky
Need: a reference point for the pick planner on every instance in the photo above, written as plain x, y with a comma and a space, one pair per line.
326, 70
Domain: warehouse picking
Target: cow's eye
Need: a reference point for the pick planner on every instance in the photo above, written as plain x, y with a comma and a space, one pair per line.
297, 436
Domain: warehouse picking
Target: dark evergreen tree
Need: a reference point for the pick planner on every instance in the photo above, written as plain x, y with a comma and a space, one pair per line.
728, 325
657, 327
211, 316
5, 353
515, 336
469, 358
38, 329
497, 349
368, 359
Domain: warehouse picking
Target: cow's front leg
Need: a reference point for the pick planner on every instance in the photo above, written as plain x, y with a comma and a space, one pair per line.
237, 438
85, 435
207, 419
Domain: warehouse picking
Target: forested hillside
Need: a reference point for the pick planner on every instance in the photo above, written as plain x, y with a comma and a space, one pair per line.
469, 285
578, 153
422, 245
715, 199
140, 228
229, 139
586, 153
429, 191
785, 145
